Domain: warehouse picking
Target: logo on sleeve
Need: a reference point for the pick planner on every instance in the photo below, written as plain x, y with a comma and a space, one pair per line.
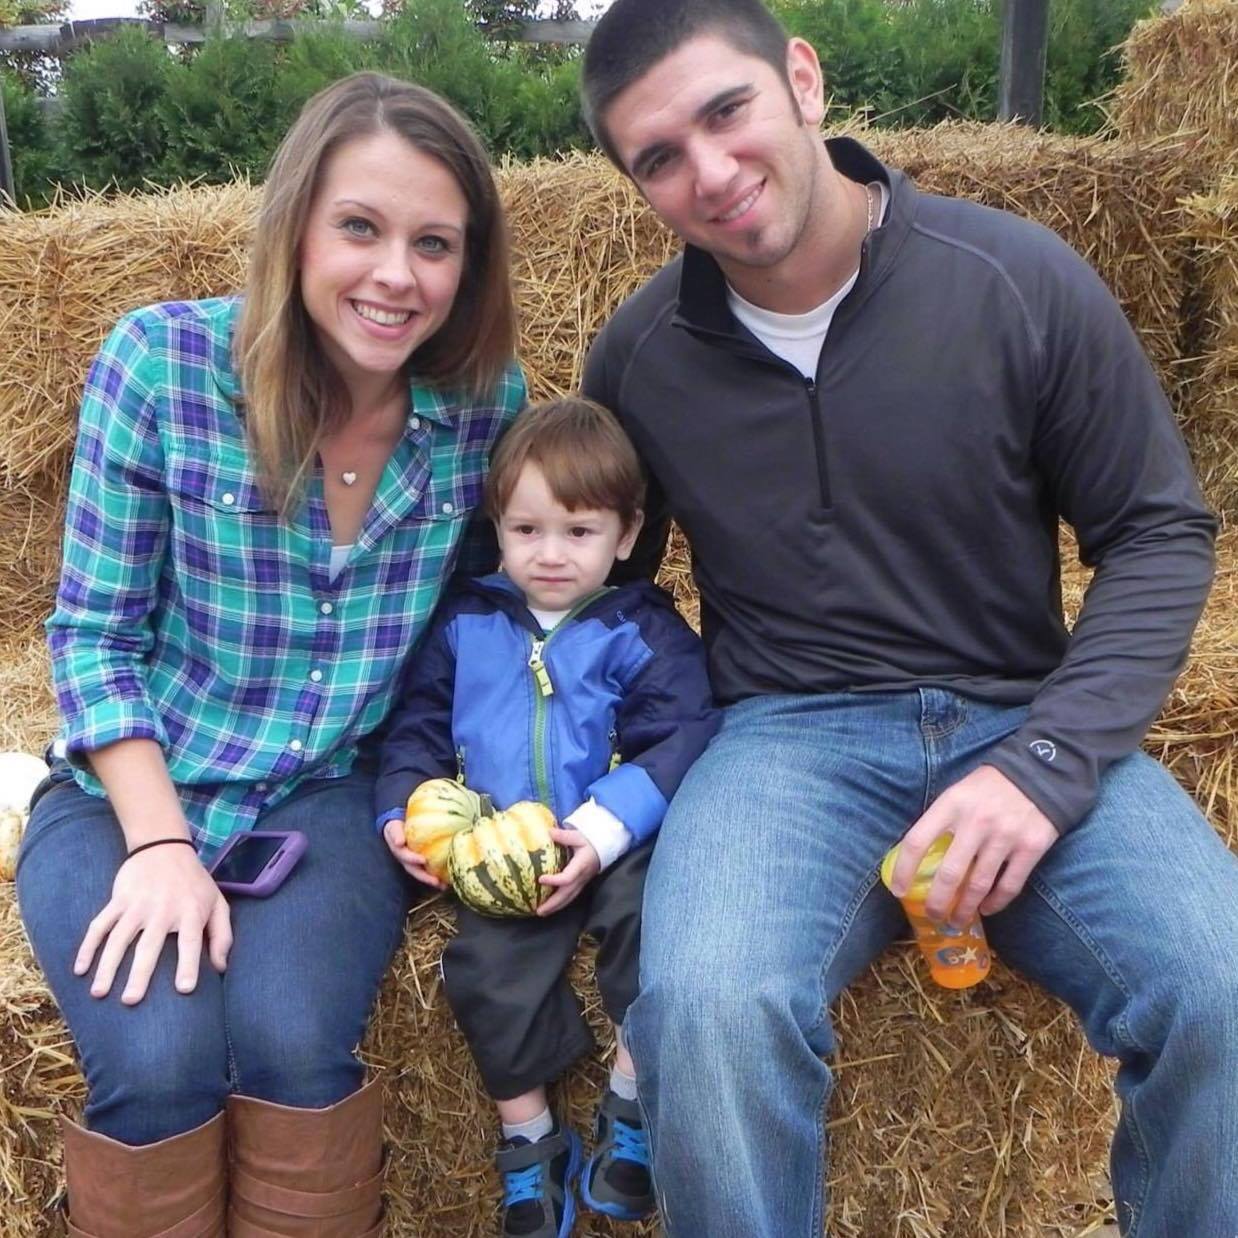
1045, 750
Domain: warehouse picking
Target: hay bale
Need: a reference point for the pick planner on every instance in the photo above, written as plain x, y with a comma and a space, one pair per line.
1211, 409
1181, 77
585, 239
582, 239
31, 524
67, 274
1034, 1106
973, 1115
27, 707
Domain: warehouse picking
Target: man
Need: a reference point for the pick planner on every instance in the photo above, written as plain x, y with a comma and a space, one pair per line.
868, 408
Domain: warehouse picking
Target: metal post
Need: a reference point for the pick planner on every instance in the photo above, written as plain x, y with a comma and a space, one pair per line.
7, 188
213, 22
1025, 35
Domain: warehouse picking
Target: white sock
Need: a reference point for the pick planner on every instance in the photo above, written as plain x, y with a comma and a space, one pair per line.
621, 1084
534, 1128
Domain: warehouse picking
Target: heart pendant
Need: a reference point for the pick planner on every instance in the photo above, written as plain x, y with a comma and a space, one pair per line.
348, 478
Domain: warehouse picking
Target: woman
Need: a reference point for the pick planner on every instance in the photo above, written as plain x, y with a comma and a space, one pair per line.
267, 498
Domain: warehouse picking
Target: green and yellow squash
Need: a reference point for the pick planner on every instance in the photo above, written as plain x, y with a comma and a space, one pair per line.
436, 812
494, 867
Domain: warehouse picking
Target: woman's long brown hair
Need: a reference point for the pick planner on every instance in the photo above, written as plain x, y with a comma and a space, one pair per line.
293, 395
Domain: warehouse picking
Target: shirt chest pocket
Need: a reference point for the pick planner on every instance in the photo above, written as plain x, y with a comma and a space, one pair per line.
220, 518
451, 497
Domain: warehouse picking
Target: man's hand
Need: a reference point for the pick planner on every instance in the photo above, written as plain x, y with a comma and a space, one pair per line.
999, 837
577, 873
412, 862
161, 891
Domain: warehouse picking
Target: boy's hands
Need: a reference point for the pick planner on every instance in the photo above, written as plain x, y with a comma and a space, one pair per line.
577, 873
412, 862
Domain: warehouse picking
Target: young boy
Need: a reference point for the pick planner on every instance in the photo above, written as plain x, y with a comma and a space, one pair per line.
540, 682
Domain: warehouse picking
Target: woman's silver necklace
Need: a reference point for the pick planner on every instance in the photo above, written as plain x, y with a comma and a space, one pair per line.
349, 476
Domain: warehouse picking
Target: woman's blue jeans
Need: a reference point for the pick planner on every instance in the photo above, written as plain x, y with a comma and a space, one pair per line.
284, 1020
763, 902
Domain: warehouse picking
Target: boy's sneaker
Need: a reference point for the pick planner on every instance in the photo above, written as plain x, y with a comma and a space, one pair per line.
617, 1180
537, 1184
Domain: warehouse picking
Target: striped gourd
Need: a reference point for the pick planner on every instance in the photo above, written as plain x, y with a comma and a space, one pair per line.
436, 811
495, 866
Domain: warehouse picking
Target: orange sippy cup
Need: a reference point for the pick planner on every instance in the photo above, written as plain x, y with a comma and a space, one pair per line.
958, 955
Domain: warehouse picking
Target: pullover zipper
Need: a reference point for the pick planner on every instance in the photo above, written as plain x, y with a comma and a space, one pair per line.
543, 690
763, 355
818, 442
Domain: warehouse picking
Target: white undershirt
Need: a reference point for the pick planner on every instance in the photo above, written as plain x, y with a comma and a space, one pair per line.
549, 619
339, 556
797, 338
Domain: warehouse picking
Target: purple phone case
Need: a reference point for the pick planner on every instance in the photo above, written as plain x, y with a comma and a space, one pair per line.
277, 867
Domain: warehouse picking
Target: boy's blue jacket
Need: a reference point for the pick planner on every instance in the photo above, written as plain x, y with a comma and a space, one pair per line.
626, 677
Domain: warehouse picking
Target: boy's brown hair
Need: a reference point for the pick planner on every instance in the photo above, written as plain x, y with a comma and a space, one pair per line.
583, 453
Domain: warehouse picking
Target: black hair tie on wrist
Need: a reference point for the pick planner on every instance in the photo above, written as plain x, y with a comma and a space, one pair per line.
158, 842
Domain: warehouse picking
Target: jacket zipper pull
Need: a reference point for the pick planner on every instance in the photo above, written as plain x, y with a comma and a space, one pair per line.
538, 667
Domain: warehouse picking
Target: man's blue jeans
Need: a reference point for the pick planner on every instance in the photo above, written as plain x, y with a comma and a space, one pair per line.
763, 902
281, 1024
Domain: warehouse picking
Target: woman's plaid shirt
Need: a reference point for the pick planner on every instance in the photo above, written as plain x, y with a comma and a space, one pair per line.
190, 614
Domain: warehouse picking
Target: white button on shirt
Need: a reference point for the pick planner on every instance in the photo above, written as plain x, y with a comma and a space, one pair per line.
326, 608
296, 745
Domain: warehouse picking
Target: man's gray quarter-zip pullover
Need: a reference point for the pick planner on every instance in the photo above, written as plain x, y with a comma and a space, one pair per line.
893, 524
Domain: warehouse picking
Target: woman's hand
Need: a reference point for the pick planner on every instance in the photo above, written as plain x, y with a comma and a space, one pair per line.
163, 890
577, 872
412, 862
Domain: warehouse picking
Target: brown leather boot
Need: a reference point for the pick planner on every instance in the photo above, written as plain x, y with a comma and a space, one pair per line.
309, 1173
170, 1189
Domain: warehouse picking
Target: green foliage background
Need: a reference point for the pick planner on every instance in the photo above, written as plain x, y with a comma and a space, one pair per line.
133, 113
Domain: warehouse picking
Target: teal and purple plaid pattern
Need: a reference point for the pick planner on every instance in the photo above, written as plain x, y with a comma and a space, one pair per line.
190, 614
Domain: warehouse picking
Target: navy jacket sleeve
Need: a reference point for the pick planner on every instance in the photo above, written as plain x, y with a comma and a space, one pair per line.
417, 744
665, 720
1120, 474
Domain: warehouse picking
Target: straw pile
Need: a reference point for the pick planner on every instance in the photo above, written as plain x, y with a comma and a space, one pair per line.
975, 1115
1181, 77
31, 523
67, 274
582, 239
981, 1114
1212, 411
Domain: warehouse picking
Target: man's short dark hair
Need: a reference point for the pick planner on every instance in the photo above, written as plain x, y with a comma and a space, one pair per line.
634, 35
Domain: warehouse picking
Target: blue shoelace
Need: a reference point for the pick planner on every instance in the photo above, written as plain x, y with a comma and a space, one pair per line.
521, 1185
630, 1143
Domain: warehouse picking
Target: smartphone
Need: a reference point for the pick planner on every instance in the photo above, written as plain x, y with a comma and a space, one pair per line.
256, 862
